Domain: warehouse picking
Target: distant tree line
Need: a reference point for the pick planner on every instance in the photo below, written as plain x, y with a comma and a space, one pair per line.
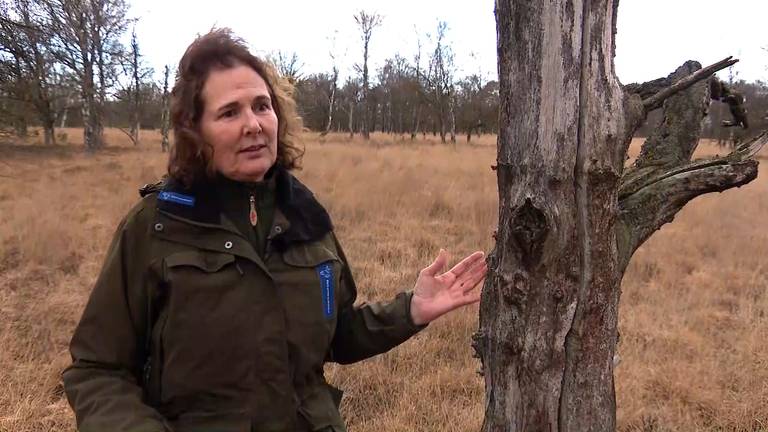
405, 96
62, 64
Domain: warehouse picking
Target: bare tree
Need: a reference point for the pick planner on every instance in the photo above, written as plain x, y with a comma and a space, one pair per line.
571, 215
349, 96
416, 123
84, 37
439, 81
137, 76
288, 65
367, 22
471, 111
166, 114
332, 87
27, 63
138, 73
331, 98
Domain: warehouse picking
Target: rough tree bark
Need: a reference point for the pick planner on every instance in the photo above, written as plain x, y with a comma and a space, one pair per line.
570, 215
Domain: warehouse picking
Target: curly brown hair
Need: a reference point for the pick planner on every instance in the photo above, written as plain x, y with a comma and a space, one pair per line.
191, 157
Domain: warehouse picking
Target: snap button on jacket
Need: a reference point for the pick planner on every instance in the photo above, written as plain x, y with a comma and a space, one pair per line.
189, 329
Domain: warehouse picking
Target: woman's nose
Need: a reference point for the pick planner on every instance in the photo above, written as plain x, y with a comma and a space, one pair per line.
252, 124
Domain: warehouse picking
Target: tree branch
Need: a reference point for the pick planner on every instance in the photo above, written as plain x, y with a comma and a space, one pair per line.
647, 203
128, 134
653, 102
673, 142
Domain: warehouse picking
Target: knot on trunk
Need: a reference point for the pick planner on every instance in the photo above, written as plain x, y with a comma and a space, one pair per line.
529, 230
515, 289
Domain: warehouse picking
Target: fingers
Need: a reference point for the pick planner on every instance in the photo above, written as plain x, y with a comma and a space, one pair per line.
466, 263
438, 265
472, 276
474, 295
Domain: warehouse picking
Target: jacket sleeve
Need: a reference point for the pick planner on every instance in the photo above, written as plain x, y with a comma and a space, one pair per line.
371, 328
102, 384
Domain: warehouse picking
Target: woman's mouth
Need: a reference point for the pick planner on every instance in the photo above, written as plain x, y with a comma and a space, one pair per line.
253, 148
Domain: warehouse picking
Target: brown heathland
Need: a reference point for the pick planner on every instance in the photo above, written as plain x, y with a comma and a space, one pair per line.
694, 321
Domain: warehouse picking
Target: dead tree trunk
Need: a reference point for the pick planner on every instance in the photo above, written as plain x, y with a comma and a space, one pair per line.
331, 101
351, 119
136, 91
91, 128
49, 132
416, 121
165, 120
570, 217
452, 116
366, 22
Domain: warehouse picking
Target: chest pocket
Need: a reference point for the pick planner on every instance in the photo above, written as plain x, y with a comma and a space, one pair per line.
208, 262
211, 311
310, 279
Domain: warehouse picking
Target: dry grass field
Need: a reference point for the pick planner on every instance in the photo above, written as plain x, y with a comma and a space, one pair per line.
694, 311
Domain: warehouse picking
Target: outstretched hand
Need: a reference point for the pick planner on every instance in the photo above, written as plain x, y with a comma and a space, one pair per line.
436, 293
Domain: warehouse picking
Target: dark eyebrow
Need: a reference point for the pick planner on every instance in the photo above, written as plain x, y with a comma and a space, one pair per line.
263, 98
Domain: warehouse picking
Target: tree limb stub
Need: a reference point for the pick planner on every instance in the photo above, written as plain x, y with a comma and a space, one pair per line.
657, 204
653, 102
646, 207
663, 178
676, 138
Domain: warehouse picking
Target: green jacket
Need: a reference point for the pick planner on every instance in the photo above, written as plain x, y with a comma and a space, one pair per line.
189, 329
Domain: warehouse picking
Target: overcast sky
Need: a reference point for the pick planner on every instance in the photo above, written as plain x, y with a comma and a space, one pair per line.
654, 36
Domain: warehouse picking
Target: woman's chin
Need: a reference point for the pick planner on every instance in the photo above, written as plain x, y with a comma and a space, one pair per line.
251, 171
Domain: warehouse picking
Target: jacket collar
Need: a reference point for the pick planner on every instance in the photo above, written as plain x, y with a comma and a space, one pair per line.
200, 204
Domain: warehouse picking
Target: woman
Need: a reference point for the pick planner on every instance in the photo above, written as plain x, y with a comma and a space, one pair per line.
225, 289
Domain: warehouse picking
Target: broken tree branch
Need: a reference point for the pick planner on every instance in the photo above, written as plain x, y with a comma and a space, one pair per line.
653, 102
677, 136
128, 134
652, 201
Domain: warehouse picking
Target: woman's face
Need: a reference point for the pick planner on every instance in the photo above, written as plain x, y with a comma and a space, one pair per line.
239, 122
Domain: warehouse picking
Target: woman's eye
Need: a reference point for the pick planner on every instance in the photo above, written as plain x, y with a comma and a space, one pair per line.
228, 113
263, 107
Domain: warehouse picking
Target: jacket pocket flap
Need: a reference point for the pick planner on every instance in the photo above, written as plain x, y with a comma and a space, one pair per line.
320, 409
309, 255
208, 262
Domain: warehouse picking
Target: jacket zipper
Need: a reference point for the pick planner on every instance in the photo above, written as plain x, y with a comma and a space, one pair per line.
153, 366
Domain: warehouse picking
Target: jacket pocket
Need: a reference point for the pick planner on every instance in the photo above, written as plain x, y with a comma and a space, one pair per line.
308, 280
208, 262
213, 316
320, 408
311, 278
336, 394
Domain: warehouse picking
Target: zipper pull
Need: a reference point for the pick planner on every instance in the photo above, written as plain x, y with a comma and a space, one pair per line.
253, 215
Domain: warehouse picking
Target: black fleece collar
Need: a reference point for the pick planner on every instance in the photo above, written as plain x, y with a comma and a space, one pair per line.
309, 221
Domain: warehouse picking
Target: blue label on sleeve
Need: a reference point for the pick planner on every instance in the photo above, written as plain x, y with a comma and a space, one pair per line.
325, 272
177, 198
